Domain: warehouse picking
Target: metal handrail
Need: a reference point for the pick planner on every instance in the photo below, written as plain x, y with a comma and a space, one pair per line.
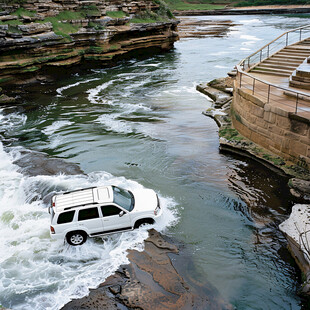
245, 65
276, 39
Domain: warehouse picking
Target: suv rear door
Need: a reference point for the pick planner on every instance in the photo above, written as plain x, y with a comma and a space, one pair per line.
114, 220
90, 221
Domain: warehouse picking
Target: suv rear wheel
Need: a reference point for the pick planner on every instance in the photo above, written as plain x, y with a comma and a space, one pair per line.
76, 237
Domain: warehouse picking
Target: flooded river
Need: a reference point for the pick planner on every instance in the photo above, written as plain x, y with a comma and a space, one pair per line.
139, 124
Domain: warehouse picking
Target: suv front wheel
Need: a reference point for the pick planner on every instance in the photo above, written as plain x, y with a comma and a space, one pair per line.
76, 237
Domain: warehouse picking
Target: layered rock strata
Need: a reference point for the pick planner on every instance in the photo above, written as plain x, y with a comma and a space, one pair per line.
56, 34
152, 280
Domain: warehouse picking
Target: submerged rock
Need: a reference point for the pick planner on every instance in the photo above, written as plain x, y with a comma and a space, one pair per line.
300, 188
36, 163
152, 280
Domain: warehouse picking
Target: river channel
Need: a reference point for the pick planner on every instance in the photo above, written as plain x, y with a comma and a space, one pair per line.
140, 124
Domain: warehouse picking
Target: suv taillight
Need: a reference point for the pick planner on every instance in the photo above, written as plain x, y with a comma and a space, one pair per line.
52, 230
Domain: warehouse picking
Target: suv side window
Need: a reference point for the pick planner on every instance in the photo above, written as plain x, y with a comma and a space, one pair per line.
110, 210
65, 217
88, 214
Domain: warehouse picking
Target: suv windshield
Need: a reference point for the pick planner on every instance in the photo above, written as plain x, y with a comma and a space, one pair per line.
123, 198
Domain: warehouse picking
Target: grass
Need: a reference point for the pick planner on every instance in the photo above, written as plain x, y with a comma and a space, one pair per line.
271, 2
60, 28
23, 12
69, 15
180, 5
116, 14
230, 134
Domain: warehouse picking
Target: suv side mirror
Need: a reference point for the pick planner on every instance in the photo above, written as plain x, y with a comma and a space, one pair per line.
121, 213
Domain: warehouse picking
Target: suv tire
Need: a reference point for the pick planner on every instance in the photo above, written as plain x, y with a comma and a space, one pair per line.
142, 222
76, 238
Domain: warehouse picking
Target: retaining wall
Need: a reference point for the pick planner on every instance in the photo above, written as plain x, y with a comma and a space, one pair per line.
281, 132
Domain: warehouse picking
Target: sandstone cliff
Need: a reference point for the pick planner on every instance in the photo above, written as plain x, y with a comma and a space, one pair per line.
36, 34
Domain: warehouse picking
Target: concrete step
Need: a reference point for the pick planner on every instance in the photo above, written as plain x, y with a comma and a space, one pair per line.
289, 56
263, 71
281, 61
277, 66
297, 78
300, 47
294, 54
297, 50
300, 85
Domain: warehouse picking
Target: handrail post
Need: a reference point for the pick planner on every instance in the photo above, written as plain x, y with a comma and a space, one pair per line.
286, 39
260, 57
248, 62
253, 86
240, 79
300, 35
296, 103
268, 93
268, 51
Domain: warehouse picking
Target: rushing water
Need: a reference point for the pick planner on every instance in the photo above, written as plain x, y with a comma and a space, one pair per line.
140, 124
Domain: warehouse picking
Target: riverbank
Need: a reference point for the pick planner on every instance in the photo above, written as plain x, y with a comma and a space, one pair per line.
295, 227
220, 91
251, 10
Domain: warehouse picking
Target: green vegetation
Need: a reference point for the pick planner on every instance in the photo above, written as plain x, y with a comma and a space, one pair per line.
116, 14
61, 28
180, 5
69, 15
95, 26
23, 12
230, 134
90, 10
94, 50
271, 2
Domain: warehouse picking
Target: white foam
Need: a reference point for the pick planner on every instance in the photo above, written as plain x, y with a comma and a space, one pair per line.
111, 123
51, 129
94, 93
51, 273
61, 89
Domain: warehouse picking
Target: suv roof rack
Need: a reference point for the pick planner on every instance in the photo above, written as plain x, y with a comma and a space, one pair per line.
82, 197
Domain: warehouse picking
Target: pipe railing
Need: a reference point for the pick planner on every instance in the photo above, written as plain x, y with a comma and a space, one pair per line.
269, 92
287, 38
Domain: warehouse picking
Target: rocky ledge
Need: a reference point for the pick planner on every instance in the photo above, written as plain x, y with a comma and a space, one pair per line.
39, 38
154, 279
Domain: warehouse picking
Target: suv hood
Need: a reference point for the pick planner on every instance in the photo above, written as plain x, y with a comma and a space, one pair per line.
145, 200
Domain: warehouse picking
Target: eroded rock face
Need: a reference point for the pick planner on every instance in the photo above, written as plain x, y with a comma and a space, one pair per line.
35, 28
151, 281
297, 233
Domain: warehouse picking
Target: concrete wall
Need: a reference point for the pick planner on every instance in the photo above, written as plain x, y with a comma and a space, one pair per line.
283, 133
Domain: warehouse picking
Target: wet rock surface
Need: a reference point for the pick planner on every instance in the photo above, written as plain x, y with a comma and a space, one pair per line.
300, 188
35, 163
155, 279
193, 28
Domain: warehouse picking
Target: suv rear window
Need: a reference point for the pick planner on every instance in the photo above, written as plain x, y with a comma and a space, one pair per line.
65, 217
88, 214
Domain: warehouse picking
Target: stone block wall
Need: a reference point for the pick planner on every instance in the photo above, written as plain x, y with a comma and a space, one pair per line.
283, 133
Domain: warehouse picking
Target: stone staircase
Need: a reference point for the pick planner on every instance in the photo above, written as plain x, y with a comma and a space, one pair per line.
284, 62
300, 78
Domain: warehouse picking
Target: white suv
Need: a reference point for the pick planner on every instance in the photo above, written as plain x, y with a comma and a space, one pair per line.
103, 210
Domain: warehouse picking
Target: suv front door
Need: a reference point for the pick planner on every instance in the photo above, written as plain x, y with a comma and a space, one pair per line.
115, 219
